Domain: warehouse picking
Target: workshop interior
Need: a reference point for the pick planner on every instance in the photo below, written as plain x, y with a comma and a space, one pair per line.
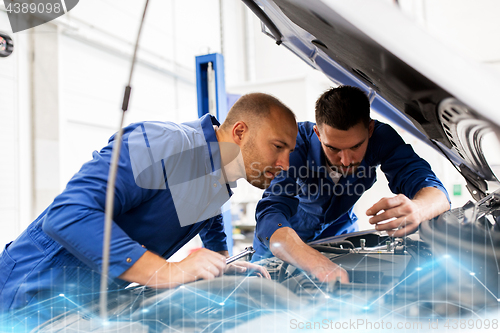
430, 68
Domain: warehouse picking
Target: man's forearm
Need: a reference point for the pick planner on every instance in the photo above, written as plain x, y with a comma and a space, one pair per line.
149, 269
431, 202
152, 270
287, 245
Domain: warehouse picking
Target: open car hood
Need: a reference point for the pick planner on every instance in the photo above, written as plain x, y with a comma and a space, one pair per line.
412, 79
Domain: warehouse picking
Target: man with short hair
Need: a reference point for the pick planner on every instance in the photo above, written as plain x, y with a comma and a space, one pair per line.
171, 183
334, 162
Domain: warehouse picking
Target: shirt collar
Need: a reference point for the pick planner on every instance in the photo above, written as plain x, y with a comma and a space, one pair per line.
214, 161
317, 155
207, 124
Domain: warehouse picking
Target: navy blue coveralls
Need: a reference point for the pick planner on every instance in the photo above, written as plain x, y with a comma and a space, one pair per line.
60, 253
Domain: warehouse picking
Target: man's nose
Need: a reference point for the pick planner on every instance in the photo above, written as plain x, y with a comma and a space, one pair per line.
345, 157
283, 161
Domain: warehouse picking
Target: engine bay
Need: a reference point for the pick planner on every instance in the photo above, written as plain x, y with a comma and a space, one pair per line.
448, 270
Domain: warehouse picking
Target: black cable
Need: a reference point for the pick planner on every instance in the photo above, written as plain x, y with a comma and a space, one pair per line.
328, 249
110, 189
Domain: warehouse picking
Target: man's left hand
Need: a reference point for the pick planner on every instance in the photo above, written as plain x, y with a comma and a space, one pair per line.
241, 267
398, 215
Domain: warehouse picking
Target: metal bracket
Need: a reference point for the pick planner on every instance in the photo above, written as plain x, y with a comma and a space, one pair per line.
475, 184
265, 19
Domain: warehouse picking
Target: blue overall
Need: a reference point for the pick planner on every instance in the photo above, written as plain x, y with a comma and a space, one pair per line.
60, 253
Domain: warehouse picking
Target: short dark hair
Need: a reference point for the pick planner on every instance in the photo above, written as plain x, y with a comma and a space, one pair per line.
343, 107
254, 107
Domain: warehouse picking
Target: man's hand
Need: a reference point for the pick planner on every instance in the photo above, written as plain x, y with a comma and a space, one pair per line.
330, 272
153, 271
201, 264
240, 267
287, 245
400, 216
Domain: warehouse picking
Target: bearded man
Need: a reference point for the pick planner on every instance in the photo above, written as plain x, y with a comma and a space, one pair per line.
334, 162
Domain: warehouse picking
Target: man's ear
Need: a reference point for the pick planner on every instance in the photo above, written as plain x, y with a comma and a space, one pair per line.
240, 130
371, 127
316, 130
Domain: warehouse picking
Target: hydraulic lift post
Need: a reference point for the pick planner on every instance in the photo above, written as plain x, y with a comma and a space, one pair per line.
212, 98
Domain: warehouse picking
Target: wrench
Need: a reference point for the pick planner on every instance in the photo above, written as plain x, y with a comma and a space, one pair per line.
248, 250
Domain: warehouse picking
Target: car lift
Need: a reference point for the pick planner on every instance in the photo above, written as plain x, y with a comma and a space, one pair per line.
212, 98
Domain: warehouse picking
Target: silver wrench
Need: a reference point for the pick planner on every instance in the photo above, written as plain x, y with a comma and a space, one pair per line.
248, 250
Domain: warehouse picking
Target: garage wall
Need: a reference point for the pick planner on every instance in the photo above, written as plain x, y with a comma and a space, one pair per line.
15, 145
467, 26
95, 55
9, 142
61, 90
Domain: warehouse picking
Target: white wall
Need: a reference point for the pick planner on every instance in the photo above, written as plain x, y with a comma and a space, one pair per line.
95, 63
15, 138
468, 26
54, 117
